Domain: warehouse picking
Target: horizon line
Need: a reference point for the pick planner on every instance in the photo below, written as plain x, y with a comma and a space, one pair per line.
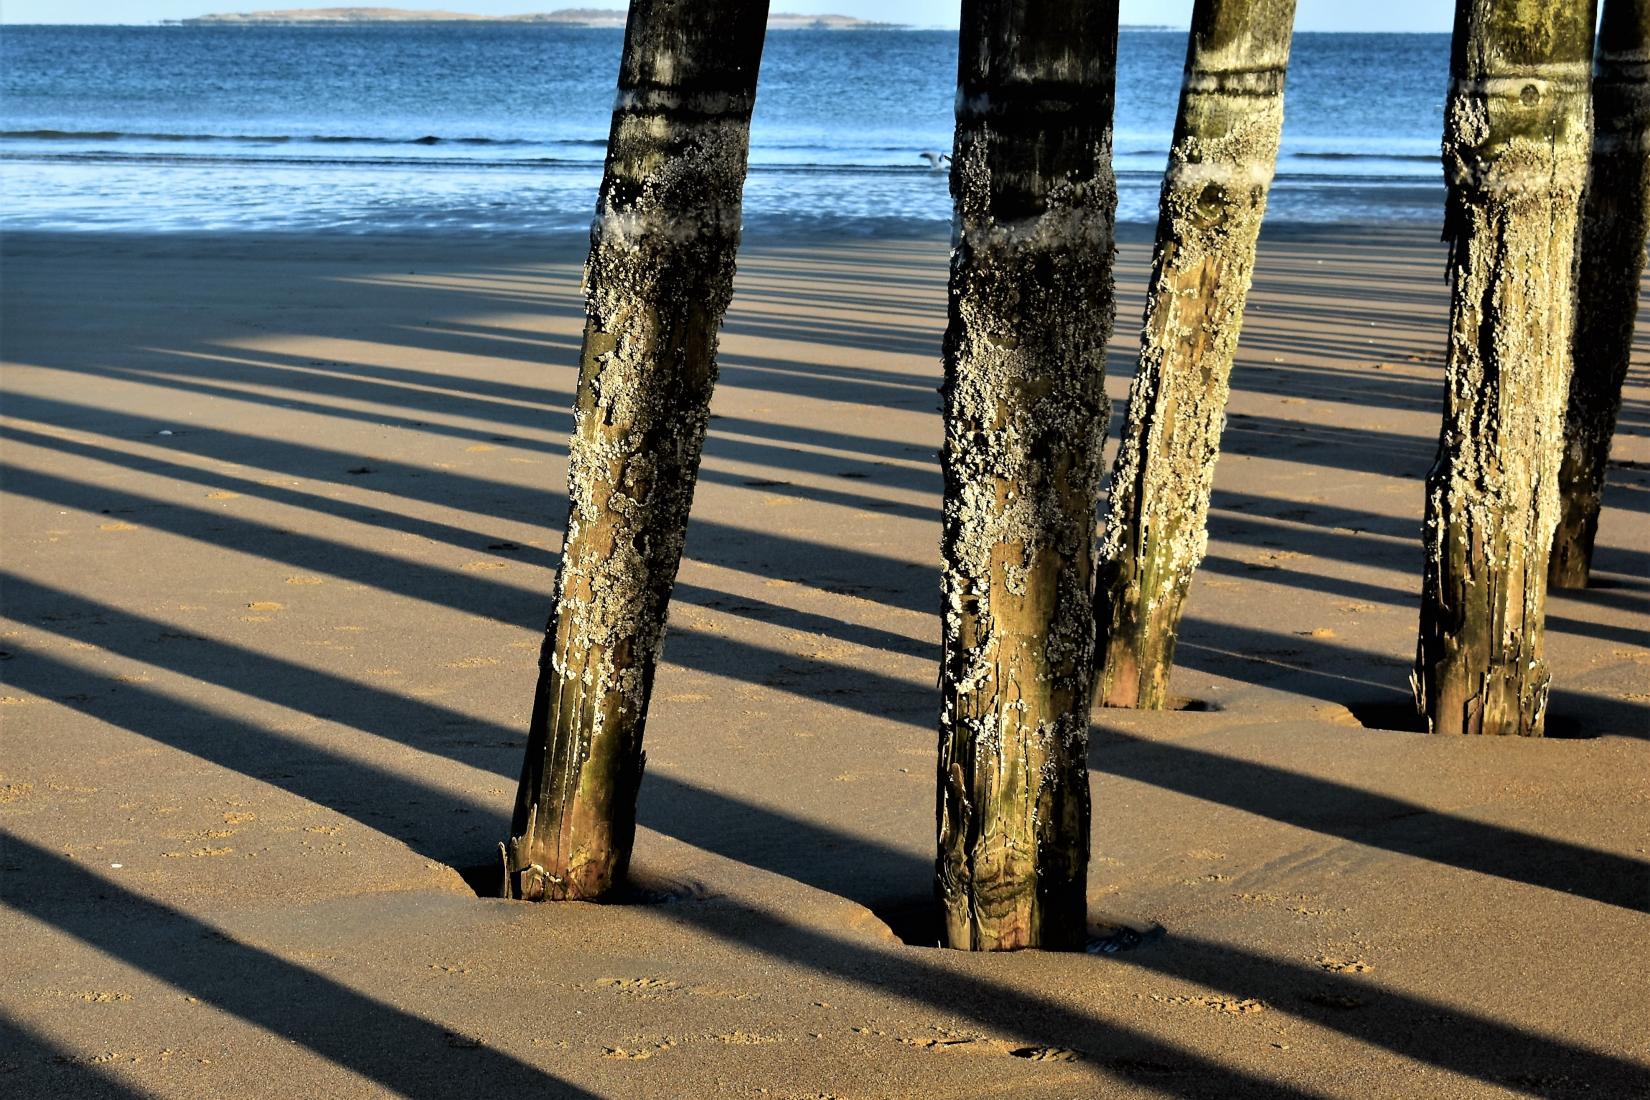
179, 22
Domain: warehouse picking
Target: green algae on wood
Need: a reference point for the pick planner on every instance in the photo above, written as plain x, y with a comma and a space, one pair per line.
1031, 304
1615, 223
658, 280
1214, 197
1516, 142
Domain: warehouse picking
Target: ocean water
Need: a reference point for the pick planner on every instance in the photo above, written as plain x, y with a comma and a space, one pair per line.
501, 129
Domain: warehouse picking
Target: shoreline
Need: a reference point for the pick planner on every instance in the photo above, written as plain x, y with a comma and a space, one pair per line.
568, 245
761, 225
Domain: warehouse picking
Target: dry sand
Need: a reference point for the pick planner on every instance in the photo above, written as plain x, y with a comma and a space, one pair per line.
280, 521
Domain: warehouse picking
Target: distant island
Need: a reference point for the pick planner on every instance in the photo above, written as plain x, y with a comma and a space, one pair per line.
567, 17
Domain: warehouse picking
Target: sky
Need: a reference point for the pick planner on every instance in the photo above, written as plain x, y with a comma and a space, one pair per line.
1312, 15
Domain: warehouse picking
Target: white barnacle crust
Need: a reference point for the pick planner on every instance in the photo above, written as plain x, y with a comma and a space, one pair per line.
658, 279
661, 265
1516, 144
1212, 204
1031, 304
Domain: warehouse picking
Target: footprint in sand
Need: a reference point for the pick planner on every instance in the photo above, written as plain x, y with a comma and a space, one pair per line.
1230, 1006
744, 1038
199, 853
645, 987
1046, 1054
640, 1053
951, 1043
450, 968
962, 1045
474, 662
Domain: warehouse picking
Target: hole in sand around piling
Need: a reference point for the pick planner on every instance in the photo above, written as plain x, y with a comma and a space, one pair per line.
1400, 716
487, 879
1177, 703
915, 922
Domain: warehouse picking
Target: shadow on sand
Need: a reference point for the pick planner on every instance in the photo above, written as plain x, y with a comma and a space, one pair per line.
408, 1054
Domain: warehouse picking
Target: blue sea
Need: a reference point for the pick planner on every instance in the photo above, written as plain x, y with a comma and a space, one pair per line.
495, 129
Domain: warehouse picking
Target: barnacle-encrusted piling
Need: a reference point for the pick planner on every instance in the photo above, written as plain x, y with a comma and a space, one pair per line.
1025, 412
1615, 222
1516, 140
1214, 196
658, 280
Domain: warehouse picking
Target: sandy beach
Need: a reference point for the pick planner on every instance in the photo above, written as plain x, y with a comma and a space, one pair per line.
281, 517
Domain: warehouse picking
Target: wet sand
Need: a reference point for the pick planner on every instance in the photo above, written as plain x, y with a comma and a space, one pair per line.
280, 523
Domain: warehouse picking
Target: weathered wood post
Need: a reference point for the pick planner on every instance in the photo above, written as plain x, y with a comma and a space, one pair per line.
1516, 141
658, 280
1615, 223
1025, 412
1214, 196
